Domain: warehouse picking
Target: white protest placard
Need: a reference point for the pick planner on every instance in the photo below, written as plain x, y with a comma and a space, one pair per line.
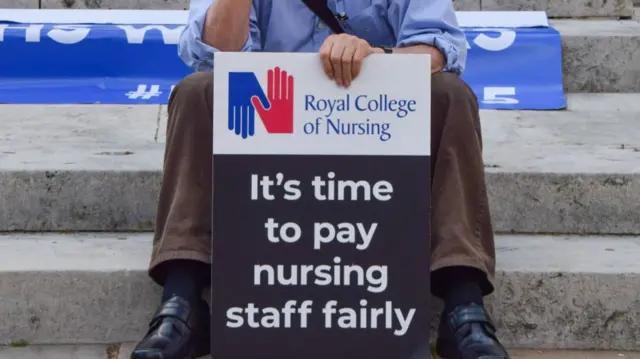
321, 208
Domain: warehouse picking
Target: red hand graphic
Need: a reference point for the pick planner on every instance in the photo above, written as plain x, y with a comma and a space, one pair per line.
277, 118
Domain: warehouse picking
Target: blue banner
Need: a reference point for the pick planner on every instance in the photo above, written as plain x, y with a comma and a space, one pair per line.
514, 68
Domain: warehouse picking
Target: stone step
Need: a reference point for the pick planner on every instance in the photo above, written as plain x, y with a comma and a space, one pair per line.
552, 291
116, 4
600, 55
122, 351
20, 4
555, 9
98, 167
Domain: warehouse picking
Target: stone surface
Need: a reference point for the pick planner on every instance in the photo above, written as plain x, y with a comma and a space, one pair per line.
568, 171
600, 55
552, 292
19, 4
570, 354
565, 8
116, 4
122, 351
467, 5
98, 167
554, 9
60, 352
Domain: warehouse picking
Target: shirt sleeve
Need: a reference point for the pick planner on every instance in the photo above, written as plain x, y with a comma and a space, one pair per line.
431, 23
198, 55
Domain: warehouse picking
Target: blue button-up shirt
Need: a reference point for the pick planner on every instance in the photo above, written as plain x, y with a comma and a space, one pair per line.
289, 26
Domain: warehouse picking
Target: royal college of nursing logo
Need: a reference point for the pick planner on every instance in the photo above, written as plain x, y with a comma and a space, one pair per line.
246, 97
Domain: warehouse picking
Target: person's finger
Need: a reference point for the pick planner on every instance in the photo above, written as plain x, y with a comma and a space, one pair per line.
358, 59
437, 67
347, 61
336, 62
325, 56
438, 61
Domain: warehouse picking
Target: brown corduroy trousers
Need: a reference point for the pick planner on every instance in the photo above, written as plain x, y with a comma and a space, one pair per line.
462, 234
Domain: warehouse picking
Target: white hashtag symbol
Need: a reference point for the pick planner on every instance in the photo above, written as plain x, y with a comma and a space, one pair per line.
143, 93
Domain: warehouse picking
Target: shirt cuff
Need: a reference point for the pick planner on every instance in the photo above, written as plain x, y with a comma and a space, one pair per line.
450, 51
195, 53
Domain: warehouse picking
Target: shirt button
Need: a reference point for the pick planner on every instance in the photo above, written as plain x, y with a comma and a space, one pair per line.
320, 25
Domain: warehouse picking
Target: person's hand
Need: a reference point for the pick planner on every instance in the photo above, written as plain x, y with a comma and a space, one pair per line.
438, 60
342, 56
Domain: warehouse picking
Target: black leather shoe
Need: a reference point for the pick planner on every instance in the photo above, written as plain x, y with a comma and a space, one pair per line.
178, 331
469, 333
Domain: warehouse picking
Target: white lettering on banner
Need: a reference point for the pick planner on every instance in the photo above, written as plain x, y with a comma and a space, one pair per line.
505, 39
147, 92
137, 35
63, 34
73, 34
144, 92
69, 34
497, 95
32, 32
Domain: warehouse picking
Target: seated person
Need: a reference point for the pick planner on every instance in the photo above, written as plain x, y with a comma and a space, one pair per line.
463, 253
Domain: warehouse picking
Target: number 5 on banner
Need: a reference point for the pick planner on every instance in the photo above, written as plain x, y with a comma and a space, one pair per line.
497, 95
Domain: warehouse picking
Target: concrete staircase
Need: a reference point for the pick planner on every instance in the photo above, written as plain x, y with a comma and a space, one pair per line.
117, 351
78, 189
558, 8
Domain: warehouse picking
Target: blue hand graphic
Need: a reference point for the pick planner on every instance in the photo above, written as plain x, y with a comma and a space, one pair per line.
242, 115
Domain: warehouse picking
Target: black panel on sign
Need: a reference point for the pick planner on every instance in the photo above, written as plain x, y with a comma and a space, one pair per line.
275, 299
